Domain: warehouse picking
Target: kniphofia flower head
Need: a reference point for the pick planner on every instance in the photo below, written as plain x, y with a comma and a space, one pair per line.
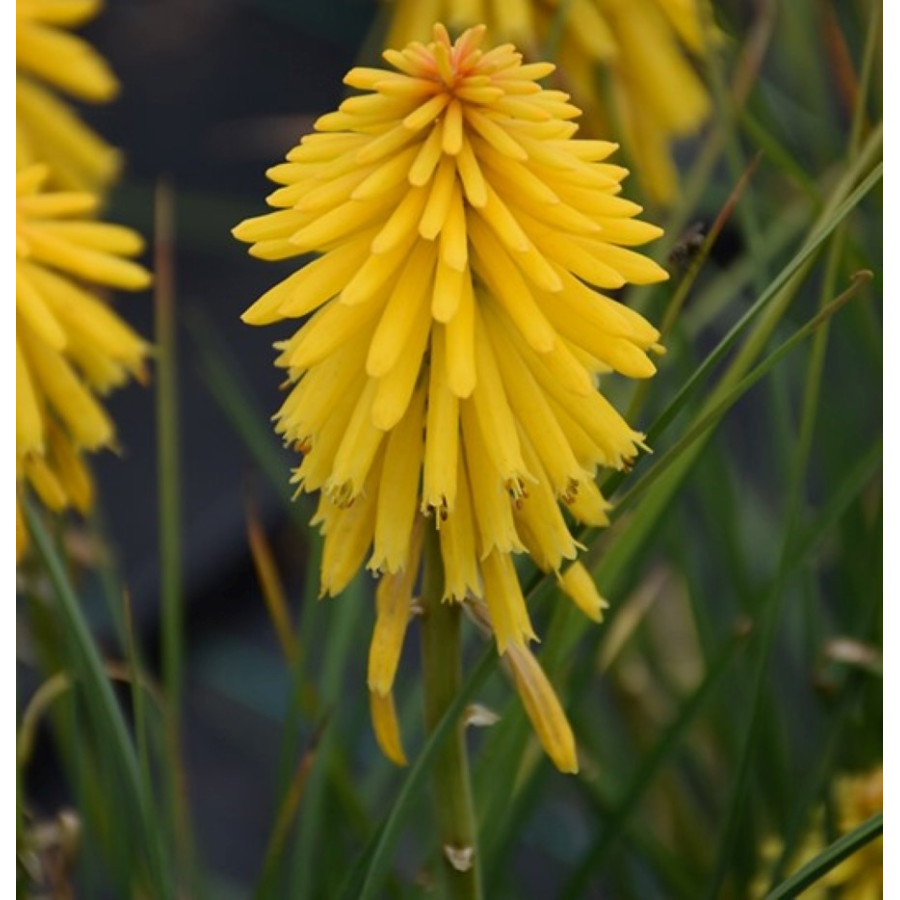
447, 378
630, 66
50, 59
70, 346
855, 799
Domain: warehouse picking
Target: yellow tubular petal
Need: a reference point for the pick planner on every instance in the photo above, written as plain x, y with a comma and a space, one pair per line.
401, 86
411, 291
564, 250
99, 372
387, 176
509, 289
538, 515
454, 238
628, 232
320, 196
75, 405
579, 586
589, 505
365, 78
68, 13
347, 540
535, 71
29, 424
426, 113
34, 311
374, 277
315, 148
522, 109
376, 107
386, 727
30, 179
79, 157
452, 137
616, 352
385, 144
461, 375
318, 462
503, 595
310, 287
449, 287
458, 546
396, 387
495, 418
393, 607
544, 709
274, 250
71, 471
569, 374
530, 406
311, 402
102, 236
66, 61
603, 313
354, 458
91, 265
603, 425
491, 502
441, 435
329, 328
428, 155
471, 175
503, 223
44, 481
500, 139
439, 199
633, 267
272, 225
59, 203
399, 230
343, 221
399, 488
517, 179
86, 317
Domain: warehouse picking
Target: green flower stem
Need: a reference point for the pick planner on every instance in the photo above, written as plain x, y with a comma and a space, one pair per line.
442, 669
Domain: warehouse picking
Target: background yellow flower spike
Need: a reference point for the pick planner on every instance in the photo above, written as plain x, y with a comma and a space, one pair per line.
446, 378
71, 348
51, 61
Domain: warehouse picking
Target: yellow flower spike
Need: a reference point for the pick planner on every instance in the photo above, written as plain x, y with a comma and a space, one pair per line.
856, 798
48, 59
70, 345
446, 377
581, 589
544, 709
386, 727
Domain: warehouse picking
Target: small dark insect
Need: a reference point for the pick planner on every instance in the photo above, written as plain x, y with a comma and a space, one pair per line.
687, 246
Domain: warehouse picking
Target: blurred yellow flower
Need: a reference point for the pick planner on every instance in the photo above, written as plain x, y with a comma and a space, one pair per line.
860, 876
70, 346
50, 59
628, 64
448, 375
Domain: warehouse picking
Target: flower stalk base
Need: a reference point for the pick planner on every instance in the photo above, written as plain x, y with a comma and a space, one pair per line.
442, 669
